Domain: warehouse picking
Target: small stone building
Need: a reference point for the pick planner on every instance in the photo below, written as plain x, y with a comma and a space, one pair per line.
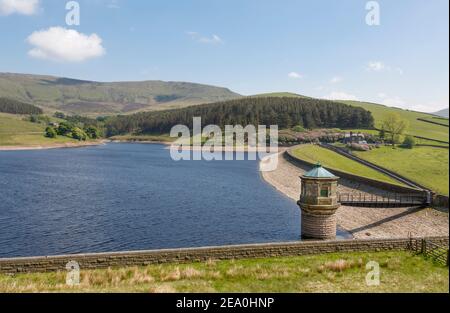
351, 137
318, 203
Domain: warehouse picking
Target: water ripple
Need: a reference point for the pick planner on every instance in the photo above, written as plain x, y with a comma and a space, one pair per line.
133, 197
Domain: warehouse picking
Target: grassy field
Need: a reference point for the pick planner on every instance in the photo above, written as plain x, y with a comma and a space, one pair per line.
419, 141
425, 165
14, 131
333, 160
340, 272
440, 120
430, 142
15, 123
416, 127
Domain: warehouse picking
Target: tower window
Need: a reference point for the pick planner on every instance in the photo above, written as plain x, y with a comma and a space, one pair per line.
324, 192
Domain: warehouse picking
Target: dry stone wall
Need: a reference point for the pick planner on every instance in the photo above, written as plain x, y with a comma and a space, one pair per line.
142, 258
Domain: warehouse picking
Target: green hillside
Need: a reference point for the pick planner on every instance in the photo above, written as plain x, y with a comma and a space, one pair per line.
416, 127
437, 120
95, 98
284, 112
333, 160
425, 165
379, 112
14, 131
17, 107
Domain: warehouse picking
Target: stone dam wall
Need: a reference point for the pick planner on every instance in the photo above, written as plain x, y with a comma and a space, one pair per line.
143, 258
440, 201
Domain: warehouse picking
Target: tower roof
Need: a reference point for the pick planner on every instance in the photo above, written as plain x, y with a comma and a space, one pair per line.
319, 172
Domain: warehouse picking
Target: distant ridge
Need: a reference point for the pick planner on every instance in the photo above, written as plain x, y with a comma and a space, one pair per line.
442, 113
280, 95
106, 98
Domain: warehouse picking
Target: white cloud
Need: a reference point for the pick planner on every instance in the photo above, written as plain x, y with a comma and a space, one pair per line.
65, 45
113, 4
25, 7
394, 102
423, 108
378, 66
341, 95
295, 75
391, 101
399, 102
430, 106
214, 39
398, 70
436, 104
336, 79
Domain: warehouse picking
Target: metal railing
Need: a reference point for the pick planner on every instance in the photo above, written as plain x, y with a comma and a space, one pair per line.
396, 199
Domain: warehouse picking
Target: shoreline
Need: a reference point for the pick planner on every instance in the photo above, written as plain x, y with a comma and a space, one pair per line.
53, 146
147, 142
165, 143
168, 145
224, 149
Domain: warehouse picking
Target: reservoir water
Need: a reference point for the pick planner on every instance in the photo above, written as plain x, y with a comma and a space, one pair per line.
122, 196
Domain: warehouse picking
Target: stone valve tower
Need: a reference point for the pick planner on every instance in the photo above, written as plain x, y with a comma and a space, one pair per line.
318, 203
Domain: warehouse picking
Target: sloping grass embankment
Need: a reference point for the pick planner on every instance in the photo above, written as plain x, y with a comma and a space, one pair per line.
333, 160
427, 166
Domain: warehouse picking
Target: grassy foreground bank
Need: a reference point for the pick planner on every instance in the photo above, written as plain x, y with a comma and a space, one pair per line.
400, 271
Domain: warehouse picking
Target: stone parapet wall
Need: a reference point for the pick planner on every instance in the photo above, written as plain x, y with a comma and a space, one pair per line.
142, 258
440, 201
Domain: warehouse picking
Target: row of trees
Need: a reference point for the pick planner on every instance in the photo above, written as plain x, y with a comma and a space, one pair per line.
16, 107
78, 119
76, 127
70, 130
284, 112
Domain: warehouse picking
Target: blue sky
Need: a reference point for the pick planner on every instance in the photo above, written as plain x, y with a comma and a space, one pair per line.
321, 48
